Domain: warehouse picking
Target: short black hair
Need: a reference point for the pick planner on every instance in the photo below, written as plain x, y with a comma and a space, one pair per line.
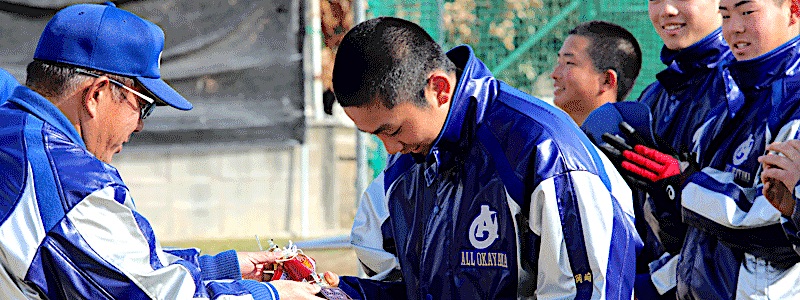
612, 47
386, 59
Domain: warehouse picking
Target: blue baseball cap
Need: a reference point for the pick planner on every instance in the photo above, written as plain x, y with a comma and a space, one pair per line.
105, 38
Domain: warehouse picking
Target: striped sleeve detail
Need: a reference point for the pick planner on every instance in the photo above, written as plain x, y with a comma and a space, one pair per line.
713, 195
112, 231
25, 226
665, 277
47, 195
587, 239
367, 235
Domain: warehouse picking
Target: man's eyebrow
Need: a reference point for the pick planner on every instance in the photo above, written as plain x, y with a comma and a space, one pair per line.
380, 129
740, 3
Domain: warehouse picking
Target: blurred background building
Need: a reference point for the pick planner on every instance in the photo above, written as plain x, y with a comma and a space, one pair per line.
257, 154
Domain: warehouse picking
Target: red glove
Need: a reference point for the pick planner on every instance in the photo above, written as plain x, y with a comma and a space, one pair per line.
650, 163
299, 268
666, 172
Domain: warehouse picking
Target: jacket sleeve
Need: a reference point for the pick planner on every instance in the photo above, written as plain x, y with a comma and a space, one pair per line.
588, 242
106, 248
372, 237
740, 216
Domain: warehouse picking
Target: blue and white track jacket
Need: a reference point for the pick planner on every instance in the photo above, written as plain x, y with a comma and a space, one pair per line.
69, 228
735, 247
693, 83
513, 201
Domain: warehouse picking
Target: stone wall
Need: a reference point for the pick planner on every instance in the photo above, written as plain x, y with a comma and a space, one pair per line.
237, 191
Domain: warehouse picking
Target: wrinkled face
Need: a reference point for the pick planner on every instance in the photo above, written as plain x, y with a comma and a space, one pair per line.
406, 128
755, 27
576, 81
117, 119
681, 23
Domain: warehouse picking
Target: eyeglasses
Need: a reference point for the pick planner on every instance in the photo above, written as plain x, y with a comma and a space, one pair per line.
145, 109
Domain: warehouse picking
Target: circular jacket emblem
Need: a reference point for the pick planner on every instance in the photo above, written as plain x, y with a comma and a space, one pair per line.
743, 151
483, 231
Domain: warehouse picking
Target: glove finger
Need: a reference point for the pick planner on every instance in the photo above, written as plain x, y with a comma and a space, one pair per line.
610, 151
654, 154
635, 169
643, 161
616, 142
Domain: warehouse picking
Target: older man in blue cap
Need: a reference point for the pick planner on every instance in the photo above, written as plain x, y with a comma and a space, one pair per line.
68, 225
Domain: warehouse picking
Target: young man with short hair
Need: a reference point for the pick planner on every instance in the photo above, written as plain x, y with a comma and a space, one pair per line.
489, 192
735, 247
680, 101
597, 64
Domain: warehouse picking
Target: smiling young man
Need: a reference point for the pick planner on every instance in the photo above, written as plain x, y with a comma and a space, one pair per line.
680, 101
735, 247
68, 225
597, 64
489, 192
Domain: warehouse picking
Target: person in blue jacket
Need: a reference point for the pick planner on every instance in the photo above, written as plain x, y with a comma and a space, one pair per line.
729, 217
489, 192
735, 247
7, 85
69, 228
680, 100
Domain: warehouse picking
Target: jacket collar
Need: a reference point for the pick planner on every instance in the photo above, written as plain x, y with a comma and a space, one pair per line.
476, 88
705, 54
759, 73
43, 109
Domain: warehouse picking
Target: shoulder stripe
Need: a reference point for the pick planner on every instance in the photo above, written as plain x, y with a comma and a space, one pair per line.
47, 194
573, 234
622, 257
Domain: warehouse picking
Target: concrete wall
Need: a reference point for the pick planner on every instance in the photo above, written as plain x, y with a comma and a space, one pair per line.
237, 191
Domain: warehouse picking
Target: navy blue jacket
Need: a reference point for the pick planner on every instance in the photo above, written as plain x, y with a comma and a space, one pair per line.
693, 83
735, 247
513, 201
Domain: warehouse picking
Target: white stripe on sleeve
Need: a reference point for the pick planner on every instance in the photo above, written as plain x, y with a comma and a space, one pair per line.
555, 278
25, 229
113, 233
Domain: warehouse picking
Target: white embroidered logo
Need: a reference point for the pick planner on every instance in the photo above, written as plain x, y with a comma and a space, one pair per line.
743, 151
483, 231
159, 59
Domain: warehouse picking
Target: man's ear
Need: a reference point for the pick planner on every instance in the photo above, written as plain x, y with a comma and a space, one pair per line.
441, 85
96, 90
608, 81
